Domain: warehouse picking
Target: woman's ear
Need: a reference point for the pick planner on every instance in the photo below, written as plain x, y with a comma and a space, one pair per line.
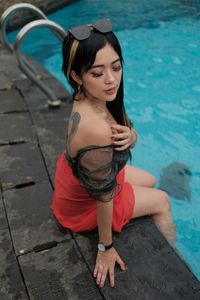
76, 77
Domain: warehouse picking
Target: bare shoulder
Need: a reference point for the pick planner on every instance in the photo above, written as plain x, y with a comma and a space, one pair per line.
96, 131
86, 130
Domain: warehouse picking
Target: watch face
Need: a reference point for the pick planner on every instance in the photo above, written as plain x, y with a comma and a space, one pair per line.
101, 247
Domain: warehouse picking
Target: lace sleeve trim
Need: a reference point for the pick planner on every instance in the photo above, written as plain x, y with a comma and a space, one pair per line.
96, 170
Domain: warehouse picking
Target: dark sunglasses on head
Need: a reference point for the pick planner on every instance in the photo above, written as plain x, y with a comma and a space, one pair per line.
83, 32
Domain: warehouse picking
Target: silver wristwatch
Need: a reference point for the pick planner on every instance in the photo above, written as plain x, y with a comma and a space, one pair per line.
101, 247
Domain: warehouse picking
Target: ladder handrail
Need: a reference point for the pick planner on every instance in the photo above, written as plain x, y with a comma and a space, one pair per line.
59, 32
24, 65
9, 11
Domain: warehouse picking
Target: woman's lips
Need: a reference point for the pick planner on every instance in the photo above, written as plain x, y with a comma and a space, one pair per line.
111, 91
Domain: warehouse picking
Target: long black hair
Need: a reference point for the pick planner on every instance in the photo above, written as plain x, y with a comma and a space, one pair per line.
79, 56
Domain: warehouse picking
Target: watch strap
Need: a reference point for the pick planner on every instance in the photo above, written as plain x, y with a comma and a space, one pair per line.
101, 247
108, 246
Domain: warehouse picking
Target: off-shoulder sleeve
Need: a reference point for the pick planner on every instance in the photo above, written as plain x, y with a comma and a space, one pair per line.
97, 172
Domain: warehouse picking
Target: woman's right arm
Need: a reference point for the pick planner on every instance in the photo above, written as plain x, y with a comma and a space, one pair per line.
105, 261
104, 221
94, 171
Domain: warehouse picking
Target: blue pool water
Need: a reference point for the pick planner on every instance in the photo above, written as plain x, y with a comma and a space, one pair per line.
161, 46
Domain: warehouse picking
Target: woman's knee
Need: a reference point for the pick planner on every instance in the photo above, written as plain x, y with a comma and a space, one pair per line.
149, 180
152, 181
165, 203
139, 177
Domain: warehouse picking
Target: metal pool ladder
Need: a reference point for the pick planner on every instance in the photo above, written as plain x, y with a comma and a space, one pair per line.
23, 63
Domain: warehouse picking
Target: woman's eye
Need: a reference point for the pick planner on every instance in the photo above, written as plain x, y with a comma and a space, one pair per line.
117, 68
97, 74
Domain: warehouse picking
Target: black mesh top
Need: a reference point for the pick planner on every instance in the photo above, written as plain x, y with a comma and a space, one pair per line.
96, 167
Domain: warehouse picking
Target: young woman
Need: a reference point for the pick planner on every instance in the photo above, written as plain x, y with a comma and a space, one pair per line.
94, 186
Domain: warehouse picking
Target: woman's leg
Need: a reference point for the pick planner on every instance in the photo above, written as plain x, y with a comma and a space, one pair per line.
139, 177
149, 201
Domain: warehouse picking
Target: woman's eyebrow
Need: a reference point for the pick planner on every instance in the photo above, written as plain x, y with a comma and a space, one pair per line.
100, 66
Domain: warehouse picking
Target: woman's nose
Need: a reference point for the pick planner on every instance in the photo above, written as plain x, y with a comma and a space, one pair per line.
109, 78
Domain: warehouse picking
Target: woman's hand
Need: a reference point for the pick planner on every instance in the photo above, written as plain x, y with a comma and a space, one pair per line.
105, 263
123, 137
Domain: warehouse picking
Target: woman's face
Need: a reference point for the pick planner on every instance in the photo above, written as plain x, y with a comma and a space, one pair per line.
102, 80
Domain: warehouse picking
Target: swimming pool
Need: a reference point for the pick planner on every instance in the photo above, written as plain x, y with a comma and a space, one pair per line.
161, 46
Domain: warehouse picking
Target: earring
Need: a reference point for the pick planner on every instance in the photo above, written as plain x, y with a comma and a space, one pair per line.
78, 94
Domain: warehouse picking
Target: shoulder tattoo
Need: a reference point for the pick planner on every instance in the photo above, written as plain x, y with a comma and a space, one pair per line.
73, 123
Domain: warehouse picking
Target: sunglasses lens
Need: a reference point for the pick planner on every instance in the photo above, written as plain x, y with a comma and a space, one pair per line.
103, 26
83, 32
80, 32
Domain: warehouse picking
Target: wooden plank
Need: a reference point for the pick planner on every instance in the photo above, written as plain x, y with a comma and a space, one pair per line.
20, 164
5, 82
35, 97
20, 128
52, 135
30, 219
11, 286
59, 273
11, 101
3, 220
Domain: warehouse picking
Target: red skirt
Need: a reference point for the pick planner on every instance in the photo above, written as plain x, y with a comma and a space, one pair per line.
75, 209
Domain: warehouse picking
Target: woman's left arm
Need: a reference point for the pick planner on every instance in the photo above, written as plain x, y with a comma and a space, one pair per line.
123, 137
